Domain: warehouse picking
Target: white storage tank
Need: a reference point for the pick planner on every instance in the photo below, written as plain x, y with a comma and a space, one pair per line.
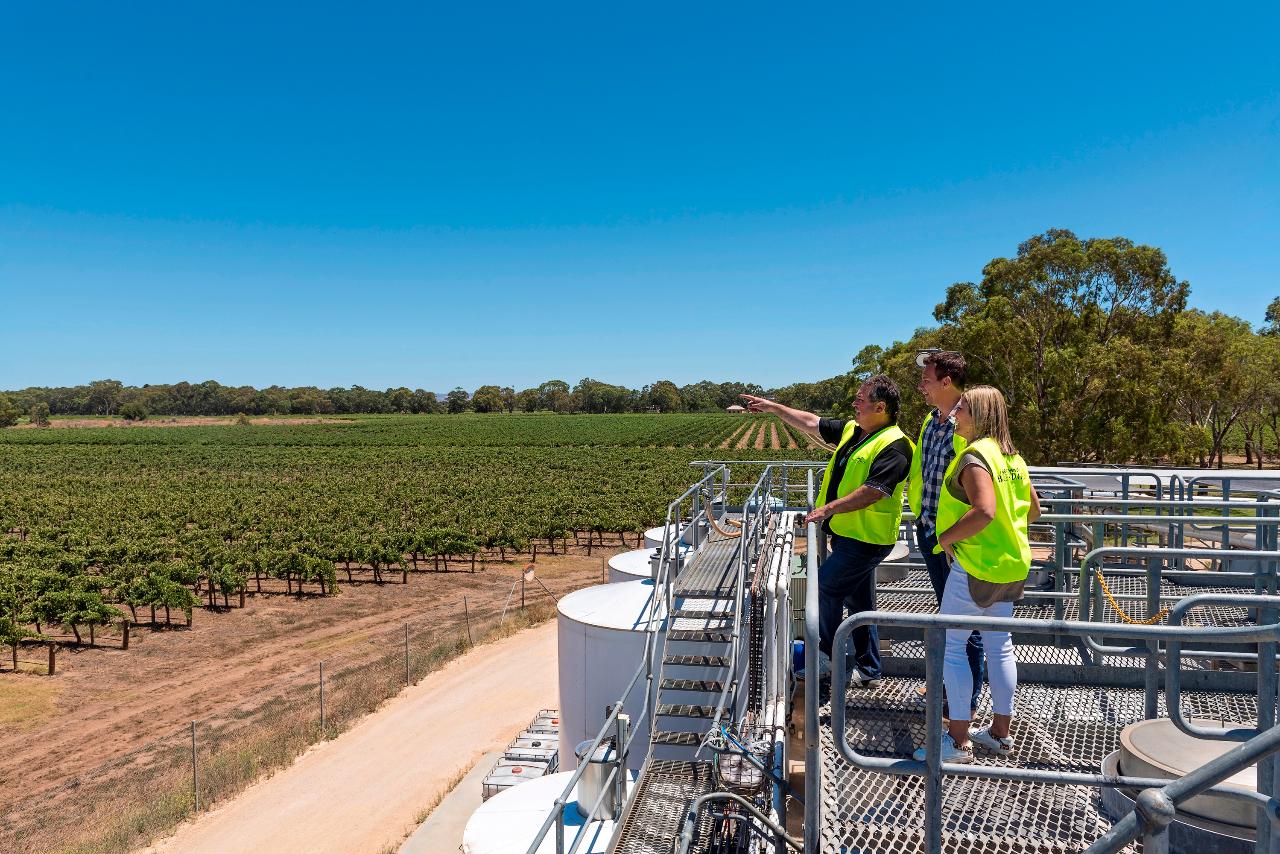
508, 822
640, 563
653, 537
631, 566
601, 632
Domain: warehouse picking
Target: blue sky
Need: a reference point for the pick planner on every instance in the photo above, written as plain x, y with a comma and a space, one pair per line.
456, 194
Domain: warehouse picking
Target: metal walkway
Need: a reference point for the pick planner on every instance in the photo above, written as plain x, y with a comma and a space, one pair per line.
711, 572
653, 816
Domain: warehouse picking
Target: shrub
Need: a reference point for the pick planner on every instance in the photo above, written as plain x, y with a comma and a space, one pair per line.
134, 412
40, 415
8, 412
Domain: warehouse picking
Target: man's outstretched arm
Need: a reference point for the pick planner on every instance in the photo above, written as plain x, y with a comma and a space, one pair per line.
801, 420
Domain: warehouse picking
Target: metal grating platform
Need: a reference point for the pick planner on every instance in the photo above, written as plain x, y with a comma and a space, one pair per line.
712, 571
1063, 728
658, 807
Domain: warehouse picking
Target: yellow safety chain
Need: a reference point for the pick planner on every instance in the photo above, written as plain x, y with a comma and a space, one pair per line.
1106, 591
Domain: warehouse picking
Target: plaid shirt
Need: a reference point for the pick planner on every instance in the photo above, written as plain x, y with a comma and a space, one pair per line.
936, 453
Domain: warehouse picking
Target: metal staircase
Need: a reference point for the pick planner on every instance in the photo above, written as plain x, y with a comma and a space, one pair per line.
698, 673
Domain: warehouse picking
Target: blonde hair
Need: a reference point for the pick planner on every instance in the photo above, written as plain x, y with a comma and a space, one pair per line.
990, 416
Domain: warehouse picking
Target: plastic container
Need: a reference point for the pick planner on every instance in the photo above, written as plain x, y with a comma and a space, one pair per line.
508, 773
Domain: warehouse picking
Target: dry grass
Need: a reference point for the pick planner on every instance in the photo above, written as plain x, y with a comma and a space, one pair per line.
147, 793
458, 777
26, 700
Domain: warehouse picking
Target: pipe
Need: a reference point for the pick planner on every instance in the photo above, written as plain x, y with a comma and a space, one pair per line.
691, 819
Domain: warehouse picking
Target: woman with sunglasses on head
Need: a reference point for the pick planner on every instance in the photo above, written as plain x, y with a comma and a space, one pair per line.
986, 504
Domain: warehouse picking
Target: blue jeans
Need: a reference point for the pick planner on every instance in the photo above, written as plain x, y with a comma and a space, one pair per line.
847, 579
938, 572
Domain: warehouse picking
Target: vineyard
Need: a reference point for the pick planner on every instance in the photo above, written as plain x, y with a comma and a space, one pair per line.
108, 526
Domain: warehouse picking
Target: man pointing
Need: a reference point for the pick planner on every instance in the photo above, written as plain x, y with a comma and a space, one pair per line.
859, 505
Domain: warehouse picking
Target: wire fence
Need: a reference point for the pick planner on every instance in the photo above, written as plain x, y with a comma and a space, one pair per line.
133, 798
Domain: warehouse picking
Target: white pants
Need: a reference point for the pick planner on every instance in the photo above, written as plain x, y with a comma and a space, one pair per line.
1002, 667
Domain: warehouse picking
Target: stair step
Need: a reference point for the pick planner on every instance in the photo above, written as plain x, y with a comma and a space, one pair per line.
685, 710
697, 660
702, 614
707, 685
700, 635
677, 739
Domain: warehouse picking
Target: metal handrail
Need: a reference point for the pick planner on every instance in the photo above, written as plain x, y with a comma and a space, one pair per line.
754, 526
812, 757
935, 626
668, 565
1124, 474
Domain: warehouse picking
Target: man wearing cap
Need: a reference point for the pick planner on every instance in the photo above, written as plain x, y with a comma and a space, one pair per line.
942, 378
859, 505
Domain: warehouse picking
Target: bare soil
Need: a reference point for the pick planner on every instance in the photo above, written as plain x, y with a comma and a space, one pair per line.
733, 437
762, 436
745, 439
105, 702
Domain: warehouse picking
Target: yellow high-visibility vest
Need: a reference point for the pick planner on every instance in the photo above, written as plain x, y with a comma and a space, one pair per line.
915, 481
1000, 552
879, 522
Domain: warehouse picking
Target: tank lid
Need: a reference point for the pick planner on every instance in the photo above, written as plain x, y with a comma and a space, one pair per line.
1164, 747
623, 606
634, 562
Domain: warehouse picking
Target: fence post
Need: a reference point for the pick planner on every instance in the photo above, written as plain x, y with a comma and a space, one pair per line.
53, 652
466, 614
124, 644
195, 781
406, 654
322, 700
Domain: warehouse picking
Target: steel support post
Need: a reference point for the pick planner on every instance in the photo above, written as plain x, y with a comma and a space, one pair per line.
1156, 841
1059, 569
1151, 673
1267, 707
1124, 527
622, 726
812, 753
935, 647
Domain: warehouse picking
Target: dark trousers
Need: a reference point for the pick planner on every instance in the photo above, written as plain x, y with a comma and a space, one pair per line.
938, 572
847, 579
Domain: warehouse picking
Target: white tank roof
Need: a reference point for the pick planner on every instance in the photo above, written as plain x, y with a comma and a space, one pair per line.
1157, 748
623, 606
634, 562
507, 822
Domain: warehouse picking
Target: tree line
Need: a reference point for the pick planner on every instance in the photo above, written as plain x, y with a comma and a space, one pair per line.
113, 398
1091, 341
1100, 358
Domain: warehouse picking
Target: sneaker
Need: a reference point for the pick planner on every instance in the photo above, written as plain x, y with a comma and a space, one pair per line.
988, 742
858, 680
950, 753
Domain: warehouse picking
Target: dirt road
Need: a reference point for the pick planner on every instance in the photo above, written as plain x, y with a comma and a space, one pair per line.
362, 791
